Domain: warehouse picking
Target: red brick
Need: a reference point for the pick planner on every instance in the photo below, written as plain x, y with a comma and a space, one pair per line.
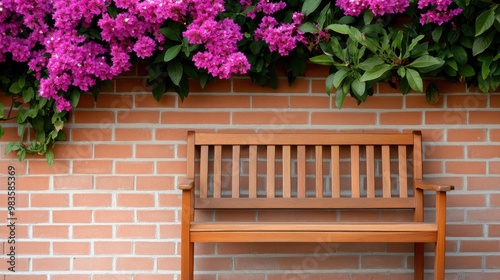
271, 101
374, 102
136, 231
467, 101
113, 248
483, 151
171, 167
115, 101
92, 167
91, 200
135, 264
114, 182
482, 246
31, 248
93, 231
245, 85
113, 151
466, 135
484, 117
134, 167
72, 182
50, 264
343, 118
446, 117
72, 151
32, 183
465, 167
487, 215
41, 167
94, 116
135, 200
154, 151
219, 85
195, 118
130, 117
475, 183
444, 152
91, 134
49, 200
148, 101
132, 85
464, 230
215, 101
316, 102
92, 264
71, 248
155, 216
114, 216
71, 216
50, 231
32, 216
155, 183
133, 134
154, 248
419, 101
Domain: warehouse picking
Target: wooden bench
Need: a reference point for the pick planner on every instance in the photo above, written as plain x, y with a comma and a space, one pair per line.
320, 172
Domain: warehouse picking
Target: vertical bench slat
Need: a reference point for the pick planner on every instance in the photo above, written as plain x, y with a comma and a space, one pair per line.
217, 171
271, 171
335, 164
252, 172
204, 172
235, 182
370, 171
301, 171
319, 171
386, 171
403, 176
287, 180
355, 186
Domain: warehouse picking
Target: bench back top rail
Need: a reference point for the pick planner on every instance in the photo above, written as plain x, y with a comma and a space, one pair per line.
346, 170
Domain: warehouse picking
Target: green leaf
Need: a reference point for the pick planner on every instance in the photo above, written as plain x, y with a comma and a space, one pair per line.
339, 28
424, 61
310, 6
414, 80
172, 32
159, 89
22, 81
12, 146
367, 16
2, 111
376, 72
15, 88
28, 94
459, 54
484, 21
482, 43
466, 71
329, 83
436, 33
175, 71
371, 62
21, 154
359, 89
401, 72
414, 42
340, 96
49, 156
308, 27
339, 77
322, 59
172, 52
2, 132
74, 98
347, 20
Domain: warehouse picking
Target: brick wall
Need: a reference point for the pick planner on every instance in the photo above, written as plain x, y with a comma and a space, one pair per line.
109, 209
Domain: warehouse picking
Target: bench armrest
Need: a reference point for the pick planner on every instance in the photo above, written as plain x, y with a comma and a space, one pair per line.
187, 185
426, 186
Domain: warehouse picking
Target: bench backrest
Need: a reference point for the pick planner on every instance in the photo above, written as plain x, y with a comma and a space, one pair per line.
274, 170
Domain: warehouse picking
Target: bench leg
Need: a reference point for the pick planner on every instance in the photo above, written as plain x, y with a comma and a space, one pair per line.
439, 260
187, 260
419, 261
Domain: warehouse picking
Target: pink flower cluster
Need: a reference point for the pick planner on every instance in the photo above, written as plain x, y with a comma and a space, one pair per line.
441, 12
378, 7
221, 57
77, 43
282, 37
